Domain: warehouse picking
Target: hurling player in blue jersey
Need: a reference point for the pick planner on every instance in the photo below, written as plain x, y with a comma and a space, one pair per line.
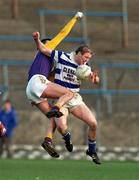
65, 75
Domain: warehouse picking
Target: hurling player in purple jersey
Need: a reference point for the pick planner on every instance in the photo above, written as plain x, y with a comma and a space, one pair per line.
39, 88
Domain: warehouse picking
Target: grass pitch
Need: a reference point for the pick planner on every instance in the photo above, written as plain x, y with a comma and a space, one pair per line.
67, 170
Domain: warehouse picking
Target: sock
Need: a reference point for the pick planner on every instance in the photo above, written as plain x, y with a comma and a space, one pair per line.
49, 135
67, 136
56, 107
91, 146
48, 139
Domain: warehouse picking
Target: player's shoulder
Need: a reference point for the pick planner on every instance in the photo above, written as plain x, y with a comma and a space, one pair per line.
57, 53
67, 56
62, 55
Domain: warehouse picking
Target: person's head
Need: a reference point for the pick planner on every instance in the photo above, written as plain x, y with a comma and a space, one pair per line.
45, 40
7, 105
83, 54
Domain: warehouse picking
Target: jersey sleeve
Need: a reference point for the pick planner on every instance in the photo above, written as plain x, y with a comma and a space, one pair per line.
55, 55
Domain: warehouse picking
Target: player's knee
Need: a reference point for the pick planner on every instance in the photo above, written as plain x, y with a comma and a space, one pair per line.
61, 127
93, 125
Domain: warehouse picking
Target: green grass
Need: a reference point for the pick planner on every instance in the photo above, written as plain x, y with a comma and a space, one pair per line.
67, 170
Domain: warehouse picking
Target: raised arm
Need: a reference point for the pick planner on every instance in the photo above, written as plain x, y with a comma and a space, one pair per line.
49, 46
40, 45
64, 32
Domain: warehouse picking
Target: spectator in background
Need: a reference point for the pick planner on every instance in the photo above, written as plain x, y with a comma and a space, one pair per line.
9, 119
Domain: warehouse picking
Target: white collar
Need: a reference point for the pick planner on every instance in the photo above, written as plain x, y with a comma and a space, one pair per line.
72, 57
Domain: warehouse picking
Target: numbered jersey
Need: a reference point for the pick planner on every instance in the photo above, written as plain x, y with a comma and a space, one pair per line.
65, 72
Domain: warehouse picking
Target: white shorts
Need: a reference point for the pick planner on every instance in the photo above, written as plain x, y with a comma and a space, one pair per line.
35, 87
75, 101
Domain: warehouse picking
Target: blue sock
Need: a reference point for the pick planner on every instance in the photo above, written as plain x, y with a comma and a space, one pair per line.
67, 136
91, 146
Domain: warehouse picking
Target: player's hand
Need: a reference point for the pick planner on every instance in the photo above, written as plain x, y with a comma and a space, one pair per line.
36, 35
95, 77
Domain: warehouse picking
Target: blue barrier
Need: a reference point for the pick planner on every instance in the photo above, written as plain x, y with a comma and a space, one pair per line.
56, 12
27, 38
101, 91
20, 38
119, 65
87, 13
12, 62
123, 14
110, 91
101, 65
105, 14
15, 38
73, 39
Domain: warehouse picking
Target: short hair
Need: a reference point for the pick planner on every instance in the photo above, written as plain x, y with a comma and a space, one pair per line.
7, 101
45, 39
84, 49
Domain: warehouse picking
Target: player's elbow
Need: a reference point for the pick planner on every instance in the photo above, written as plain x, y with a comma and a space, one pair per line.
45, 50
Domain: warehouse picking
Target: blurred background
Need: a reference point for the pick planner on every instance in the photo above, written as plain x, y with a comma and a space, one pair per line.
111, 29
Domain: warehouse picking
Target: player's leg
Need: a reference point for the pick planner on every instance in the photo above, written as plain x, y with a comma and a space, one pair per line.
39, 89
7, 146
56, 91
83, 112
43, 106
51, 129
47, 142
63, 129
1, 145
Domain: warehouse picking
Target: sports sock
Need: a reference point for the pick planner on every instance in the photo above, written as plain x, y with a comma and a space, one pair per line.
49, 135
56, 106
91, 146
67, 136
48, 139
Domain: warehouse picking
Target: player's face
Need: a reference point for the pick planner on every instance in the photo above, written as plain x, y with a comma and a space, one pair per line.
7, 106
84, 58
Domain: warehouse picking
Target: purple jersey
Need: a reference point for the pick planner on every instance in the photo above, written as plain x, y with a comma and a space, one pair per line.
42, 64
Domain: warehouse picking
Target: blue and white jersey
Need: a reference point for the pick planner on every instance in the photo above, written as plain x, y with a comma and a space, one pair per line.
65, 71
